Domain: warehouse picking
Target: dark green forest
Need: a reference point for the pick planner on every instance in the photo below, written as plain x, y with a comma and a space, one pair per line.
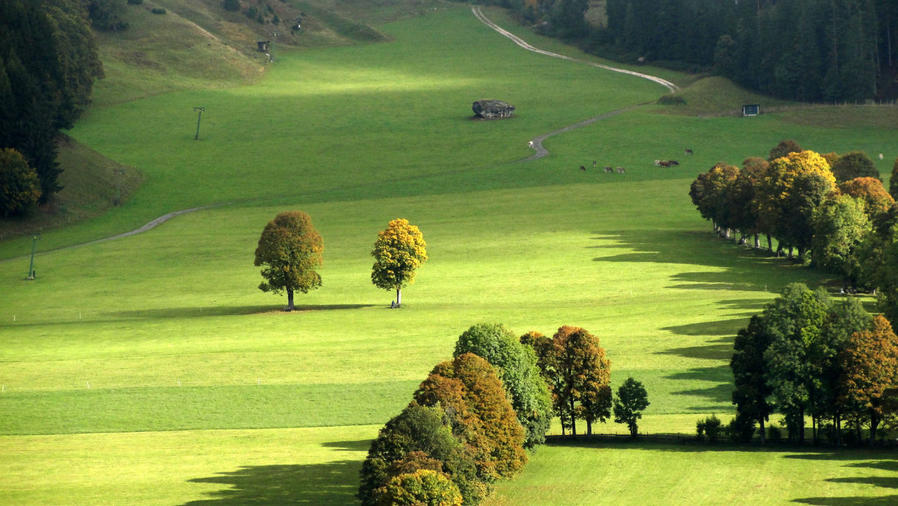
48, 64
808, 50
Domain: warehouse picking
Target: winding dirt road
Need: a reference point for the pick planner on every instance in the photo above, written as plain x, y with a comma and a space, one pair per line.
537, 142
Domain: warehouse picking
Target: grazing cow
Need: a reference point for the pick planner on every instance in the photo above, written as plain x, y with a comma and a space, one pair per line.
594, 164
620, 170
582, 168
880, 156
673, 162
687, 151
530, 144
609, 170
657, 163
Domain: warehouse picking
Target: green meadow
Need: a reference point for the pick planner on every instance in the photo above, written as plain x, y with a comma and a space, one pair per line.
150, 369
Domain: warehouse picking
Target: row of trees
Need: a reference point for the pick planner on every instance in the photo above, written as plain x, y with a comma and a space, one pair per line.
806, 201
48, 64
806, 355
471, 420
290, 250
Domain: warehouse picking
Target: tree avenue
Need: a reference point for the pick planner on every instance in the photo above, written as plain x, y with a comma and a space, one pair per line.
290, 250
398, 252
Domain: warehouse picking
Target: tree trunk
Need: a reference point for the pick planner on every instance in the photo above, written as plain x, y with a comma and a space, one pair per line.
290, 306
589, 427
573, 421
763, 435
398, 297
838, 427
874, 423
790, 252
757, 242
769, 244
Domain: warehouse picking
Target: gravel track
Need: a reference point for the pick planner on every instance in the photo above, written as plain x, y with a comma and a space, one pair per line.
537, 142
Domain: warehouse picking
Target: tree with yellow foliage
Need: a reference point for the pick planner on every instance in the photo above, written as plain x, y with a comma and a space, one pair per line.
398, 252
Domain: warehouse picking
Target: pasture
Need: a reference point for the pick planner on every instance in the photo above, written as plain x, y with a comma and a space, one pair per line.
151, 370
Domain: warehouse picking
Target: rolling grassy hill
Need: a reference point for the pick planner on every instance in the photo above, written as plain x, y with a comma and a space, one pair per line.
150, 369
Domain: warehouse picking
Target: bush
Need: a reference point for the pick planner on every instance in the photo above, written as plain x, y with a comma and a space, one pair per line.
231, 5
741, 429
19, 184
423, 486
671, 99
158, 10
708, 429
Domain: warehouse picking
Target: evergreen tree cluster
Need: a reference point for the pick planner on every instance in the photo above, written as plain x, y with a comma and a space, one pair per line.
48, 64
810, 50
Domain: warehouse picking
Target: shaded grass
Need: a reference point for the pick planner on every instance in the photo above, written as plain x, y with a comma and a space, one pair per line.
616, 473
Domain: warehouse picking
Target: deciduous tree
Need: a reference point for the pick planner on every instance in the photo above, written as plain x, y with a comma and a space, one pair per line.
480, 413
839, 229
853, 165
631, 400
19, 185
516, 364
749, 366
870, 366
784, 148
290, 250
871, 192
398, 252
421, 487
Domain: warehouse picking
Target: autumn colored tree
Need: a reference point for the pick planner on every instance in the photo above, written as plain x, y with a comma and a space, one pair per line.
631, 400
840, 226
743, 213
419, 438
398, 252
546, 360
290, 250
481, 416
19, 185
854, 165
870, 366
784, 148
710, 193
789, 194
421, 487
579, 376
871, 192
516, 364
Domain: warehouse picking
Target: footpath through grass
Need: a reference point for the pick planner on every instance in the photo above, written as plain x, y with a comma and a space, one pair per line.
131, 369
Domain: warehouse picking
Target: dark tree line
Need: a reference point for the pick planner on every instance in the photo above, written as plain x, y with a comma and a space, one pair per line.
811, 50
48, 64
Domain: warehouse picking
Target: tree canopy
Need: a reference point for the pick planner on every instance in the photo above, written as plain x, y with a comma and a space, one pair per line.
290, 250
398, 252
516, 365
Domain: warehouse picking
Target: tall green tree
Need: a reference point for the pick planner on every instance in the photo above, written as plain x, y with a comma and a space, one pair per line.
290, 250
516, 365
840, 227
398, 252
750, 372
631, 400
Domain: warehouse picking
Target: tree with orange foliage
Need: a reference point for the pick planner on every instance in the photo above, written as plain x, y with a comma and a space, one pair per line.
871, 192
470, 392
578, 374
870, 367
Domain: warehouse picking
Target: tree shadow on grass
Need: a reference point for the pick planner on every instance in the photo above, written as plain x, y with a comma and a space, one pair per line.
199, 312
328, 483
734, 267
875, 462
719, 349
722, 392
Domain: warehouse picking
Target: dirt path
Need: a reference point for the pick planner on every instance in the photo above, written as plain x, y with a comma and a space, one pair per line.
537, 142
